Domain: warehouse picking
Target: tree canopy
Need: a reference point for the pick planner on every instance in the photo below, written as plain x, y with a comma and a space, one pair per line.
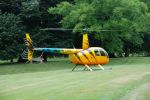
10, 35
130, 17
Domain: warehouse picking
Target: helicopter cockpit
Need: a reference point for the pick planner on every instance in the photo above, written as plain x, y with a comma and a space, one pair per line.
100, 52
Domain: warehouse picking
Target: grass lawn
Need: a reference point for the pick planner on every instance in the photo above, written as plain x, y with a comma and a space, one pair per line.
129, 79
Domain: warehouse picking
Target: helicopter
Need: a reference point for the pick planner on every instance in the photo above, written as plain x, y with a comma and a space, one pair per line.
86, 56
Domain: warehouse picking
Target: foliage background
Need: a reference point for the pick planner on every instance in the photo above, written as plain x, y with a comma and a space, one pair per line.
132, 17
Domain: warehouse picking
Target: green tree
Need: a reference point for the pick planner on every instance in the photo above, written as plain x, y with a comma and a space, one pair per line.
10, 36
146, 37
30, 14
146, 2
35, 16
10, 6
121, 15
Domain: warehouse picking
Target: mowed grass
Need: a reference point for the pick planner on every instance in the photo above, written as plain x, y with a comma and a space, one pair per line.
129, 79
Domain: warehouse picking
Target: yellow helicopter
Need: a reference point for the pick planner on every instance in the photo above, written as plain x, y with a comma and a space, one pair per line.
86, 56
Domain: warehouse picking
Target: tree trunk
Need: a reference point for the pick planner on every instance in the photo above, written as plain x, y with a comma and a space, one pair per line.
11, 60
45, 57
127, 52
78, 41
20, 60
112, 55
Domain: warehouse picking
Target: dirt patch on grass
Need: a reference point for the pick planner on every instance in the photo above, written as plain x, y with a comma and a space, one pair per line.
139, 93
128, 78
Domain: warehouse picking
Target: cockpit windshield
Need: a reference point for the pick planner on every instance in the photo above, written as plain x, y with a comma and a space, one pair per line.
100, 52
97, 52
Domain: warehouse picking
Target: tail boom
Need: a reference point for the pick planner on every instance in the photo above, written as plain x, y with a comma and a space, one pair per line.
58, 50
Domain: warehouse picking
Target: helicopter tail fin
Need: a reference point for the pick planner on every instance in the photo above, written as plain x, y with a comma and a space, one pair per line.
85, 42
30, 47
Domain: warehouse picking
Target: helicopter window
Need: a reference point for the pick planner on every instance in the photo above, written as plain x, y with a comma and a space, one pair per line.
97, 52
102, 53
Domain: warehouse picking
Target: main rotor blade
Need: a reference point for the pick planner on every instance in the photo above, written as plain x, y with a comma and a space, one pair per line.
103, 30
85, 29
57, 29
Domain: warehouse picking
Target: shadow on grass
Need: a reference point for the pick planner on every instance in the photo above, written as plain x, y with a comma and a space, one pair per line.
54, 65
81, 68
15, 68
7, 63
